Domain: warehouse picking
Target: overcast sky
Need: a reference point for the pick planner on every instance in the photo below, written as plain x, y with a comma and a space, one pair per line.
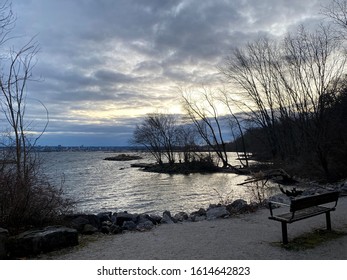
103, 64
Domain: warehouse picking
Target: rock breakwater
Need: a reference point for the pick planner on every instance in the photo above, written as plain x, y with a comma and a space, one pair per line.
118, 222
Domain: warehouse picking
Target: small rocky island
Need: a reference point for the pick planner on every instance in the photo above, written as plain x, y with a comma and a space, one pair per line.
123, 157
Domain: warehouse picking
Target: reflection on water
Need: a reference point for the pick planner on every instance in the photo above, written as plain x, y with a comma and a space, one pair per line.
99, 185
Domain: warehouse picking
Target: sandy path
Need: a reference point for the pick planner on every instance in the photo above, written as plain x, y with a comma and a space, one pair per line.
249, 236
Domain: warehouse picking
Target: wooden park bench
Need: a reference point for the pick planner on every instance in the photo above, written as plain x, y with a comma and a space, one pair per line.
303, 208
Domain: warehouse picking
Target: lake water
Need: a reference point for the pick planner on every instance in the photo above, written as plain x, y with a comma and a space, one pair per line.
99, 185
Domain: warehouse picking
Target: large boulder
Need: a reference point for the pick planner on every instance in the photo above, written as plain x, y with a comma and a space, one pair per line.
145, 225
238, 204
167, 218
155, 219
3, 243
44, 240
122, 217
105, 217
129, 225
83, 223
197, 216
144, 222
181, 216
217, 212
200, 212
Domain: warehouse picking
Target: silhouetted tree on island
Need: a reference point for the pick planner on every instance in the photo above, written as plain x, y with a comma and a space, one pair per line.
158, 133
168, 138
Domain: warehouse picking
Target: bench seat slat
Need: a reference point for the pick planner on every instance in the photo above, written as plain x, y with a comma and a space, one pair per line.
301, 214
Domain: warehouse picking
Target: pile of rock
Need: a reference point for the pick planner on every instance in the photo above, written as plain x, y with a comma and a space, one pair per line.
51, 238
115, 223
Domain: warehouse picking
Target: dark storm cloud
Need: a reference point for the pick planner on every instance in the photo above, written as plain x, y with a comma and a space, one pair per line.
130, 54
197, 29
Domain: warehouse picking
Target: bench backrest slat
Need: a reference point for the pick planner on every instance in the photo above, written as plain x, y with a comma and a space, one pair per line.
314, 200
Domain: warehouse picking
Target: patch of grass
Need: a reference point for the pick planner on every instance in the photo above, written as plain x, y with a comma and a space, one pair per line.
312, 239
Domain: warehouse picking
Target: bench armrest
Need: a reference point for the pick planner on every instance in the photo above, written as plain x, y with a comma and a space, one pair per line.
277, 203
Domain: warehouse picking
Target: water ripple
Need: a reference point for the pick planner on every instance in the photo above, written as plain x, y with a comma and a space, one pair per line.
100, 185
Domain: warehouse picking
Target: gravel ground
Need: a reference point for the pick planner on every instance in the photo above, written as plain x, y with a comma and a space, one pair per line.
248, 236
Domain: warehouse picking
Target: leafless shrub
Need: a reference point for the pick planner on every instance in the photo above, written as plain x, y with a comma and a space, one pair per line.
225, 199
33, 202
259, 189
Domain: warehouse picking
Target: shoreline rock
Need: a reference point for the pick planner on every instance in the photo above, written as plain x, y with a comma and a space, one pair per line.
41, 240
119, 222
34, 242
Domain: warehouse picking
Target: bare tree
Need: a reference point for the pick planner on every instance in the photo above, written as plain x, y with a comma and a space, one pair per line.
7, 21
285, 82
13, 86
157, 133
234, 119
186, 140
316, 65
25, 197
203, 112
251, 71
337, 12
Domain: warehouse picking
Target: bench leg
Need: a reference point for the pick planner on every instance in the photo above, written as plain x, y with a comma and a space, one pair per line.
284, 233
327, 215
